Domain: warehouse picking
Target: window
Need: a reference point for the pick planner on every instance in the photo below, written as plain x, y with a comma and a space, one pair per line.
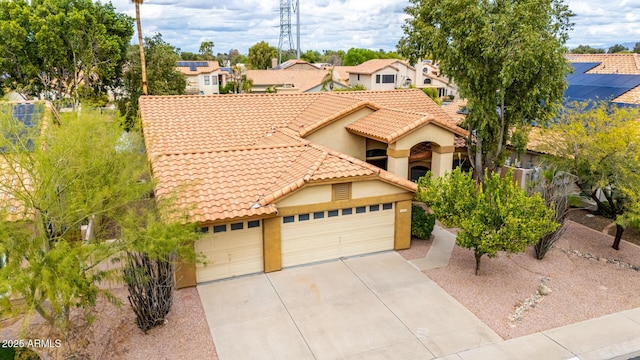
219, 228
387, 206
207, 80
377, 79
374, 208
237, 226
347, 211
358, 77
341, 191
427, 81
253, 224
288, 219
361, 209
318, 215
203, 230
388, 79
303, 217
332, 213
417, 172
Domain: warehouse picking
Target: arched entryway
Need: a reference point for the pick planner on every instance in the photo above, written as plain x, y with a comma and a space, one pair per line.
419, 160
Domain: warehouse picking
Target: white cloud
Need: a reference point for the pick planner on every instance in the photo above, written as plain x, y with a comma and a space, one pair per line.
341, 24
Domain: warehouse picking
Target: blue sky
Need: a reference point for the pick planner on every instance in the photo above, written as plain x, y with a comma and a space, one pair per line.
341, 24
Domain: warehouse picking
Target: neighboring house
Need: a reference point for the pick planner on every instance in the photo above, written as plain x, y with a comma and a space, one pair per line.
295, 64
612, 77
382, 74
387, 74
291, 81
279, 180
428, 76
203, 77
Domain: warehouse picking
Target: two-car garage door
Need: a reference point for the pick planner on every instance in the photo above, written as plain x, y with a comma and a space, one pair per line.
237, 249
333, 234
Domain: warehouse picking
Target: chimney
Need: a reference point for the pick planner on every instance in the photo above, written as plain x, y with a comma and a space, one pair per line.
274, 63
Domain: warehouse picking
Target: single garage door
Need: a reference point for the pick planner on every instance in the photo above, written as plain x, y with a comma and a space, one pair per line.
333, 234
230, 250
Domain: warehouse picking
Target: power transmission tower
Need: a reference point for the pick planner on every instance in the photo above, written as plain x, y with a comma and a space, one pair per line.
285, 44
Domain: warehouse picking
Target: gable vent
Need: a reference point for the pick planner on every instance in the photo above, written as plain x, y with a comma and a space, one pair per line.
341, 191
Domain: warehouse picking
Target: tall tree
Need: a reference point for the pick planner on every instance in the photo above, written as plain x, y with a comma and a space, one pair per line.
636, 48
500, 217
507, 58
356, 56
206, 50
600, 143
143, 65
56, 180
617, 48
163, 76
586, 49
311, 56
327, 80
51, 48
260, 55
333, 57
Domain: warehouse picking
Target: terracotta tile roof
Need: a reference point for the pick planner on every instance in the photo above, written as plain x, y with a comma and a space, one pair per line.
326, 109
613, 64
630, 97
175, 124
452, 109
342, 72
389, 125
224, 153
413, 100
222, 185
212, 66
370, 66
289, 63
303, 80
609, 63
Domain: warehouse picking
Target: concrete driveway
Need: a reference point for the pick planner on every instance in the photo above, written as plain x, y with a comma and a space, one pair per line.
370, 307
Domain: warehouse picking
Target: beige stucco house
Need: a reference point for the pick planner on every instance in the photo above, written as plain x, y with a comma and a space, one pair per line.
290, 80
203, 77
279, 180
387, 74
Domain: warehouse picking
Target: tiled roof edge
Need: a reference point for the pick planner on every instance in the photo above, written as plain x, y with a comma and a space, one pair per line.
289, 188
351, 109
382, 174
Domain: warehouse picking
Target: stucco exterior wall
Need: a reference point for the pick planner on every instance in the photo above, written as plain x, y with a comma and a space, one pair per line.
364, 80
308, 195
430, 132
336, 137
364, 189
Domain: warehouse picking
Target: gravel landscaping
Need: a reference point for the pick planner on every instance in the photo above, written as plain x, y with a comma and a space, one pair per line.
580, 278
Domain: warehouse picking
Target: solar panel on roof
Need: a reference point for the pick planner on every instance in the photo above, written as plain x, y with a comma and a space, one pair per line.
581, 68
193, 65
597, 86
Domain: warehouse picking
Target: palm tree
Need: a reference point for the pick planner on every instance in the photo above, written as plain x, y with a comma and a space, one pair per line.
142, 62
328, 80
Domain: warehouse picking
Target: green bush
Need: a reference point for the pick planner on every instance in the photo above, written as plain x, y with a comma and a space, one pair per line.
422, 223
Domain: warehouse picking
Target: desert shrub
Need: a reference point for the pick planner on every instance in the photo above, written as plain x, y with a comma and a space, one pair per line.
422, 222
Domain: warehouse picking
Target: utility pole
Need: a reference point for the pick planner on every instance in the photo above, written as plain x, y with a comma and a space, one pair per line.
285, 44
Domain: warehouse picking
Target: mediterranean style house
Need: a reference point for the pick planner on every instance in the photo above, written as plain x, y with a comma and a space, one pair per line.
279, 180
387, 74
203, 77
